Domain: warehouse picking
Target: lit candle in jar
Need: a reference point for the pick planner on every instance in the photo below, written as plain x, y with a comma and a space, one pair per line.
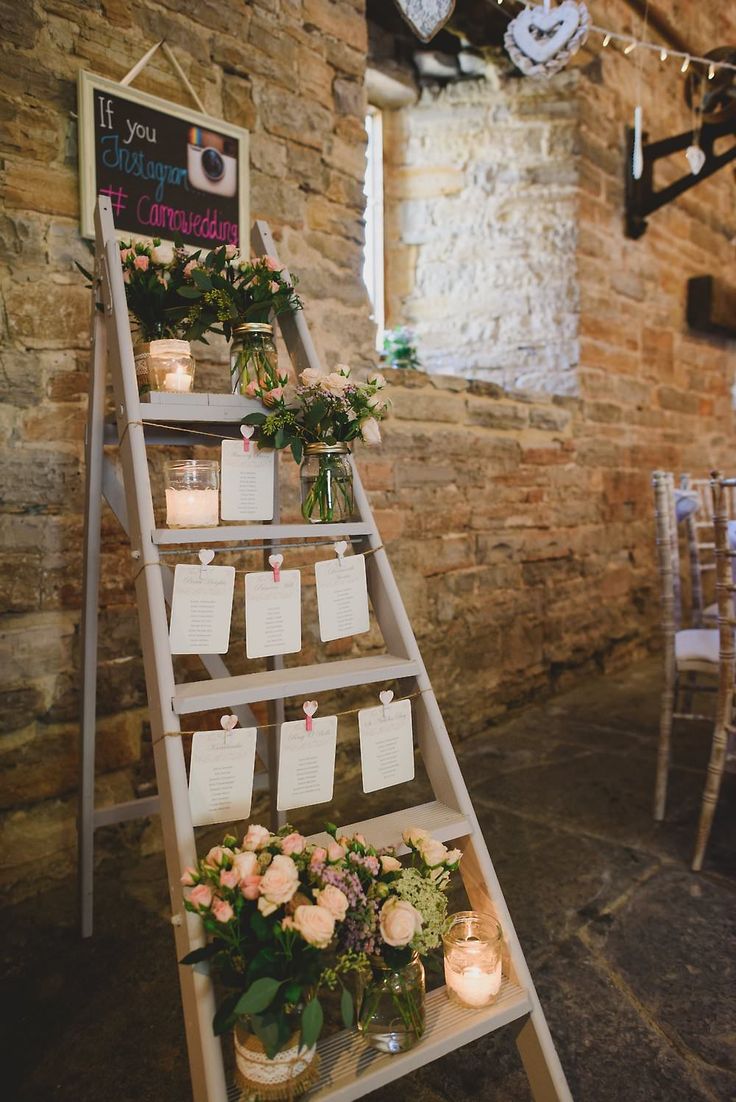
179, 380
473, 945
192, 493
171, 366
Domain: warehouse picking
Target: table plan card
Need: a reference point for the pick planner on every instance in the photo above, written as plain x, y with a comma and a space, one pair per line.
306, 763
386, 745
221, 775
246, 482
273, 614
201, 608
342, 597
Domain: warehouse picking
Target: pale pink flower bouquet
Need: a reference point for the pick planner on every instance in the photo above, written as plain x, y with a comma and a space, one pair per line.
288, 920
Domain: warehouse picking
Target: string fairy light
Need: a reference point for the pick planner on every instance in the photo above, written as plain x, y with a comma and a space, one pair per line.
663, 55
606, 38
686, 64
631, 47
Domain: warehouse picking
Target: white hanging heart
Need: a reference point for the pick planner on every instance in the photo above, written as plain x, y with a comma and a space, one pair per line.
340, 548
246, 431
386, 697
426, 17
275, 561
228, 723
695, 158
206, 555
540, 42
309, 707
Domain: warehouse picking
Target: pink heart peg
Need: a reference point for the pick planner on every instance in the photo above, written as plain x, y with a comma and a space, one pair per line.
275, 561
309, 707
246, 431
228, 723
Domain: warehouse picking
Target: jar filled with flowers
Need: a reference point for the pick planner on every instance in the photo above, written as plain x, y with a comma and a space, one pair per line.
319, 422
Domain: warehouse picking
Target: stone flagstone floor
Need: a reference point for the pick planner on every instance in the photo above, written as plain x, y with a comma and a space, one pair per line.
633, 955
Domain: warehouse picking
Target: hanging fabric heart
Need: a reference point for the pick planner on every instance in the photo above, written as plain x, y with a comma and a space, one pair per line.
386, 696
695, 158
228, 723
426, 17
541, 41
206, 555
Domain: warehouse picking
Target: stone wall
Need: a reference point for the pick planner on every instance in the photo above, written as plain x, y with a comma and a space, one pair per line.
481, 195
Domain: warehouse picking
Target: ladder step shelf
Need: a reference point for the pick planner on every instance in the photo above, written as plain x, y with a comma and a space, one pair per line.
442, 822
350, 1069
242, 533
249, 688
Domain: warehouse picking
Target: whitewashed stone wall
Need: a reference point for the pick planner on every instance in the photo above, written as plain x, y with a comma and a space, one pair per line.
481, 229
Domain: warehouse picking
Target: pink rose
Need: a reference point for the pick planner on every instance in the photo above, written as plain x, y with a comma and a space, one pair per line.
231, 251
141, 262
274, 287
266, 907
293, 843
201, 896
335, 852
251, 389
250, 887
399, 922
310, 376
415, 836
189, 268
189, 877
315, 924
319, 856
287, 923
125, 253
335, 901
280, 880
256, 838
370, 432
271, 397
216, 856
453, 856
433, 852
271, 263
360, 839
222, 911
245, 864
229, 878
389, 863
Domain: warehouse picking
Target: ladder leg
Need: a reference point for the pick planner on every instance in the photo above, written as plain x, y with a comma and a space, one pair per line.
89, 622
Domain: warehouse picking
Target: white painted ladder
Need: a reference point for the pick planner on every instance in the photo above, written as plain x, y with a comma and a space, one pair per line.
348, 1069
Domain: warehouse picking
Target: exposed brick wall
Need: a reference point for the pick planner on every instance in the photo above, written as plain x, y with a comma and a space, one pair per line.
518, 525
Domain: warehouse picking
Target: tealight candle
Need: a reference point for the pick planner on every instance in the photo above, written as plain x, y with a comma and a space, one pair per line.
192, 497
171, 366
473, 945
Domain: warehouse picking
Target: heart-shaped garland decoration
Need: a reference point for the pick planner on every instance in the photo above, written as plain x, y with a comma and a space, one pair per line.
426, 17
695, 158
206, 555
541, 41
228, 723
386, 696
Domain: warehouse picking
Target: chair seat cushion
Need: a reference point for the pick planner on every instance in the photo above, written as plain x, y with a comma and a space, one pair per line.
711, 612
686, 503
697, 645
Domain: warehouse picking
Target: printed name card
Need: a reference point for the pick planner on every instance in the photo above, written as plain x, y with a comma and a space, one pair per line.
201, 609
342, 597
386, 745
306, 763
273, 613
247, 482
221, 775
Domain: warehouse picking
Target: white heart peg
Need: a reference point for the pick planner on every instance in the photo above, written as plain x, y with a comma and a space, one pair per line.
340, 548
275, 561
206, 555
228, 723
246, 431
386, 697
695, 158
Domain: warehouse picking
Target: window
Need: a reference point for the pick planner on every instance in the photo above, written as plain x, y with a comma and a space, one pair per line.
373, 256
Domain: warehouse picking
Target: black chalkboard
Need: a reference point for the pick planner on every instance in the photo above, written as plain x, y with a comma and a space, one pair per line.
168, 172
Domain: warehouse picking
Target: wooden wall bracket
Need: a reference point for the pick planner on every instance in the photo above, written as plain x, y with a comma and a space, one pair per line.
641, 197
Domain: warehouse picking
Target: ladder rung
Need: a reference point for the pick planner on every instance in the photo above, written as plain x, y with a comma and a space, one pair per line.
442, 822
349, 1069
182, 408
247, 688
121, 813
241, 533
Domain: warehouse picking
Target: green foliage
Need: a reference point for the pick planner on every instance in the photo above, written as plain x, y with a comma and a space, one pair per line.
312, 1021
399, 349
258, 996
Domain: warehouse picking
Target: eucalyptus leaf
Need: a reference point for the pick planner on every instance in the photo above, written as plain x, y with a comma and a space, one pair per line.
203, 953
202, 280
225, 1016
312, 1020
346, 1008
297, 450
189, 292
259, 995
254, 419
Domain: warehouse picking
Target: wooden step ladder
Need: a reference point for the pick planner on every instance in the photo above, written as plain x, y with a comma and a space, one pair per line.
349, 1069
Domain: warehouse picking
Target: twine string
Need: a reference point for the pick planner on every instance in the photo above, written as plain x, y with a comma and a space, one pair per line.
144, 565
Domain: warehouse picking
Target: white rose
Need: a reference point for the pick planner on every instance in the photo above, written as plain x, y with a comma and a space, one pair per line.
390, 864
334, 384
310, 376
333, 900
415, 836
433, 852
377, 380
316, 924
256, 838
377, 402
399, 922
453, 856
265, 907
245, 864
370, 432
280, 880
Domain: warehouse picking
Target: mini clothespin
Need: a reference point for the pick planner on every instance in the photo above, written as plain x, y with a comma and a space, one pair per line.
228, 723
340, 548
275, 561
246, 432
309, 707
206, 555
386, 697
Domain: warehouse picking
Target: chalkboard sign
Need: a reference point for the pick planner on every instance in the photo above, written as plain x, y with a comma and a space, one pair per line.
168, 171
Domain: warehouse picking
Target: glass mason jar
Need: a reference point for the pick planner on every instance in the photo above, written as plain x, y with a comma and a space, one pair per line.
171, 366
391, 1005
326, 479
473, 945
253, 358
192, 493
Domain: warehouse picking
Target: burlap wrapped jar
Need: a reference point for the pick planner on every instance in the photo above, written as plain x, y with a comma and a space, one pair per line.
290, 1073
